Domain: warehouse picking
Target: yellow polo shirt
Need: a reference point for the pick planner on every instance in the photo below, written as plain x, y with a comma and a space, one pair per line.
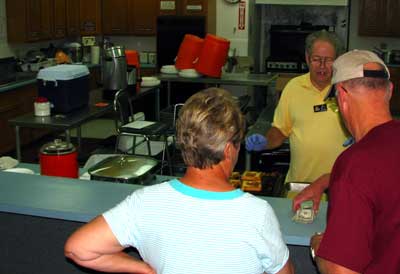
316, 135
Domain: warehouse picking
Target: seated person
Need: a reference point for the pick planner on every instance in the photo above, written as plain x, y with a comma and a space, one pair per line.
196, 224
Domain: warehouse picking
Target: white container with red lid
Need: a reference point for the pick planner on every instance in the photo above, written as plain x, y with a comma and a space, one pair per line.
42, 106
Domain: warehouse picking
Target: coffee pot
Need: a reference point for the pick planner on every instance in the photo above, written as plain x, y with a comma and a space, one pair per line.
114, 68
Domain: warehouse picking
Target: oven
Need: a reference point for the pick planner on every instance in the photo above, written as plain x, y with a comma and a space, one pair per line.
287, 47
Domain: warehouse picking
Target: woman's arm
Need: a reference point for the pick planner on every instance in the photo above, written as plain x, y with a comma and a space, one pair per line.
95, 246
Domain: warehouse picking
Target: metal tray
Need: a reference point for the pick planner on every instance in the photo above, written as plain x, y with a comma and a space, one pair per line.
130, 169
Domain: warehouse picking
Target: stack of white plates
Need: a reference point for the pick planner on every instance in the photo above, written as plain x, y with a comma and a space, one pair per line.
169, 69
189, 73
150, 81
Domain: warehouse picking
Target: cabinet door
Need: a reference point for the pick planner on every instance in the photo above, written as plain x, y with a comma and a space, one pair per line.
46, 19
392, 17
33, 20
60, 18
115, 17
194, 7
90, 17
73, 18
143, 16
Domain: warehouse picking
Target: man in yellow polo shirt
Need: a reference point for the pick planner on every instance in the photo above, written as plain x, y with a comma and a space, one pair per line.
316, 133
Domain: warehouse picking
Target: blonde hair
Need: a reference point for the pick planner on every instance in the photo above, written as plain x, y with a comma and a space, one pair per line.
208, 121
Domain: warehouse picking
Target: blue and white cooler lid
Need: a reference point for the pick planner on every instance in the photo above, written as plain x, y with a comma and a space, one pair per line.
62, 72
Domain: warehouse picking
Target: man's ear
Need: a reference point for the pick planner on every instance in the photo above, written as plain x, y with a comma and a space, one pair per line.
307, 59
341, 97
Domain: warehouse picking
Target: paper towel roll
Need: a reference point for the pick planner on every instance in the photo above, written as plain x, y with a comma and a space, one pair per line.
95, 54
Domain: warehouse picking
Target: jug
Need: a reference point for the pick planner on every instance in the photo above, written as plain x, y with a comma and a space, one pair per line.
114, 68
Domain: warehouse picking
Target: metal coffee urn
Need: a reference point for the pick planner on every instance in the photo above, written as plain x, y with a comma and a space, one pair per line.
114, 71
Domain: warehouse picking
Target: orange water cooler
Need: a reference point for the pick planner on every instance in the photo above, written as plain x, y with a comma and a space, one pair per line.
213, 56
133, 70
189, 51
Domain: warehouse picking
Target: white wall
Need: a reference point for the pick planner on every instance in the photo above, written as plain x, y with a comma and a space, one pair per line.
5, 50
227, 26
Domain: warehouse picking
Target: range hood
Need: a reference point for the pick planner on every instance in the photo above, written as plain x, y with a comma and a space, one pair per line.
305, 2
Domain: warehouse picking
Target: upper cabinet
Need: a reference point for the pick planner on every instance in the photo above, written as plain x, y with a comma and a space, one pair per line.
60, 18
90, 17
30, 20
73, 28
144, 17
135, 17
378, 18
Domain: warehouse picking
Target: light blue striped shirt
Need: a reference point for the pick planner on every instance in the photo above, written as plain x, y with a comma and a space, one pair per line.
180, 229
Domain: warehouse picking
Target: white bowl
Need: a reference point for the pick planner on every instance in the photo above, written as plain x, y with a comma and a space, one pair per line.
20, 170
150, 81
189, 73
169, 69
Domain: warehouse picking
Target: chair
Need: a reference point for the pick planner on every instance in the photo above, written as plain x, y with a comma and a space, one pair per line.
147, 135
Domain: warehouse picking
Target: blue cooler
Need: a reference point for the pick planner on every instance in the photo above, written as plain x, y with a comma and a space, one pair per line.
65, 86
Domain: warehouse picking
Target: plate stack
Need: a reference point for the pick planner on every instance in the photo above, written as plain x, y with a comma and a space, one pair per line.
150, 81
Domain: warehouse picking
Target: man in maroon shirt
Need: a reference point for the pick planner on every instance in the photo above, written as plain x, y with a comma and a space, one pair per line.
363, 226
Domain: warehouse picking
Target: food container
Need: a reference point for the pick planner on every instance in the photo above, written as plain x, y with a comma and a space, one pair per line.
59, 158
129, 169
42, 106
65, 86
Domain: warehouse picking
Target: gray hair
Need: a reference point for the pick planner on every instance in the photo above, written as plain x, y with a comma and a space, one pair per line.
324, 35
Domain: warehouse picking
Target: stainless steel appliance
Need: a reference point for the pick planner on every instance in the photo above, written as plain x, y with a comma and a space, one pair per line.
114, 68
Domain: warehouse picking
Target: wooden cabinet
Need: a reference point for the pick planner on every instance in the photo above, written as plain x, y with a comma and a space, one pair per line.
135, 17
90, 17
29, 20
116, 17
60, 19
379, 18
144, 17
72, 14
12, 104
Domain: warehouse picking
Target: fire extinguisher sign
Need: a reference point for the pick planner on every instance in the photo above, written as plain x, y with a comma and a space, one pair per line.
242, 15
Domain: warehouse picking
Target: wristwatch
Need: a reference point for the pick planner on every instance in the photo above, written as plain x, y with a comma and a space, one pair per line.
312, 251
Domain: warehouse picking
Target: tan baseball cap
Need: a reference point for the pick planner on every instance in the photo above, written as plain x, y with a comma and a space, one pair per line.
351, 65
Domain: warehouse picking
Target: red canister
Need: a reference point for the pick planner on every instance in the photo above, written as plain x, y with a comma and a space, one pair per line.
59, 158
213, 56
189, 51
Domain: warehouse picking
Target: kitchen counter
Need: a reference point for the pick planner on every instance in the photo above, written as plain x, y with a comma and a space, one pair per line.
81, 200
27, 78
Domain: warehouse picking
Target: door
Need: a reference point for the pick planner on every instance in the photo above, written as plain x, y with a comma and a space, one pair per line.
90, 17
46, 19
143, 21
73, 18
115, 16
60, 18
33, 20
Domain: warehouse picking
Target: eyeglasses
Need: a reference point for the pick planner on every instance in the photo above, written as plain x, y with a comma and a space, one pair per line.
319, 60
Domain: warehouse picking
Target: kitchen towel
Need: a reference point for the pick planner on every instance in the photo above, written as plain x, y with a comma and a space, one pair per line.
95, 54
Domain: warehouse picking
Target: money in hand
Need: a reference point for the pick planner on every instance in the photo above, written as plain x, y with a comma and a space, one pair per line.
305, 214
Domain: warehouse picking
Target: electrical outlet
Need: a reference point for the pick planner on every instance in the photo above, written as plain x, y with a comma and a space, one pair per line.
88, 40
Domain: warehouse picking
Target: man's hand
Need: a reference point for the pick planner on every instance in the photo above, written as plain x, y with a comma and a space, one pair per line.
256, 142
312, 192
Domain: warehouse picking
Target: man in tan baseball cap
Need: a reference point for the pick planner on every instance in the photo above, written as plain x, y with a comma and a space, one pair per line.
362, 234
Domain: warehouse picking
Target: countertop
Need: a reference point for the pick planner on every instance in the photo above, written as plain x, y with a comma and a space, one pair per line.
28, 78
82, 200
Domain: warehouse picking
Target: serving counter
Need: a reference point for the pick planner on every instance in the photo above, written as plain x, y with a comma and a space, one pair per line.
56, 204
